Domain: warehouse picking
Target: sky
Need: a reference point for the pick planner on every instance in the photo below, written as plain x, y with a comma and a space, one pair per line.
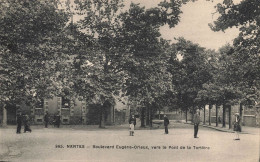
194, 22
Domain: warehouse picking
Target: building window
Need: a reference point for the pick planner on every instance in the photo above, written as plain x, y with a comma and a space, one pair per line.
249, 109
39, 103
65, 103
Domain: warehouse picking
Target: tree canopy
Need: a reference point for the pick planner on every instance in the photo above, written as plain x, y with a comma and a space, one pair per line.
30, 37
245, 51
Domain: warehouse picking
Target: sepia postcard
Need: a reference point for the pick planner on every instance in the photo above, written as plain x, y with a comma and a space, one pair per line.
130, 80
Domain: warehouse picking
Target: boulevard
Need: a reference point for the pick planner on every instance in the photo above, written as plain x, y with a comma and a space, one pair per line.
81, 144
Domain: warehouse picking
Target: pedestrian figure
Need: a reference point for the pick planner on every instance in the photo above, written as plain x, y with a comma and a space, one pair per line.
46, 119
19, 122
237, 126
27, 124
219, 119
196, 123
57, 121
132, 122
166, 123
54, 120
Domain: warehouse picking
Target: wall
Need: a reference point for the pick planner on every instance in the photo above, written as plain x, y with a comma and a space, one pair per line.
120, 116
249, 120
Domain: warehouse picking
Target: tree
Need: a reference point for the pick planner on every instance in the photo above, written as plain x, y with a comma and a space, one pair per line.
245, 16
30, 37
223, 89
147, 77
125, 40
101, 22
189, 73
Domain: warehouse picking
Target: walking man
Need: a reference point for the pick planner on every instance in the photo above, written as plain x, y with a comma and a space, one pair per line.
57, 120
166, 123
46, 119
196, 121
19, 122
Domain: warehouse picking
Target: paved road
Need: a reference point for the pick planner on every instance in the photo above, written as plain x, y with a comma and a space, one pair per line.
211, 145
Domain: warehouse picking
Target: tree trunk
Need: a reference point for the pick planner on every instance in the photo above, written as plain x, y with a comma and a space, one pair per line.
113, 114
102, 117
229, 117
224, 116
241, 115
216, 115
150, 117
210, 107
186, 114
193, 108
102, 112
147, 116
159, 117
4, 116
142, 117
204, 118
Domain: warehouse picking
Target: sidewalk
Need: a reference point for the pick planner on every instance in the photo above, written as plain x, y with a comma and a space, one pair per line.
157, 124
245, 129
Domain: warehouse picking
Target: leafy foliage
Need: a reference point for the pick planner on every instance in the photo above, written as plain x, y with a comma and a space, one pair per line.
30, 36
190, 73
245, 53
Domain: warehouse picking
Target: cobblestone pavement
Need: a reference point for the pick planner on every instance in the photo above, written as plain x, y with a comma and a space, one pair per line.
94, 144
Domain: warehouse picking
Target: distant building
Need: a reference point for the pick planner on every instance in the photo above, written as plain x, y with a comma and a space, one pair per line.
77, 112
70, 112
250, 116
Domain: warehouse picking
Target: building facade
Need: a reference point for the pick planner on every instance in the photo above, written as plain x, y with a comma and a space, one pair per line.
71, 112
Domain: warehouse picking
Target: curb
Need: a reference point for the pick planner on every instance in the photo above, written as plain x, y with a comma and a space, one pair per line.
224, 130
220, 129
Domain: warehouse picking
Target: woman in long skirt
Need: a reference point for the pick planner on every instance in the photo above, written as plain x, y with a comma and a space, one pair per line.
27, 123
237, 127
